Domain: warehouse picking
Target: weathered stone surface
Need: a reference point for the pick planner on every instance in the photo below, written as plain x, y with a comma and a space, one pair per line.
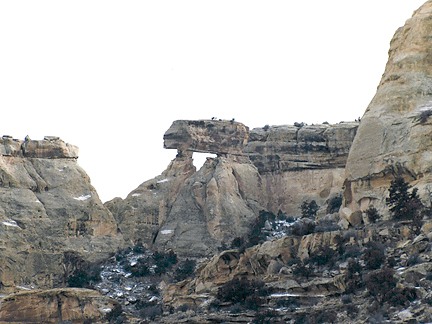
50, 147
146, 208
47, 207
300, 163
54, 306
291, 148
210, 136
394, 136
217, 204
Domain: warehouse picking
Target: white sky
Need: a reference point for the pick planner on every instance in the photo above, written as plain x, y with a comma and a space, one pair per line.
111, 76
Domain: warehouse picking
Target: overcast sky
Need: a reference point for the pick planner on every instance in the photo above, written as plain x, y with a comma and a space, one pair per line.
111, 76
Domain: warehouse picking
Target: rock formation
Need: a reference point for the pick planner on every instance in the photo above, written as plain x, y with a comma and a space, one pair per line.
69, 305
192, 212
272, 168
394, 137
47, 207
299, 163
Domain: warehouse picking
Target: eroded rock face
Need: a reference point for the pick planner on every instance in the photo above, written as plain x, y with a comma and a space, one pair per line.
54, 306
209, 136
192, 212
216, 204
394, 137
145, 209
47, 207
290, 148
300, 163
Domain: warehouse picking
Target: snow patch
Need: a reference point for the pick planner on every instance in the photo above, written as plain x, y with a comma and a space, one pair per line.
166, 231
162, 181
136, 195
83, 197
24, 288
10, 223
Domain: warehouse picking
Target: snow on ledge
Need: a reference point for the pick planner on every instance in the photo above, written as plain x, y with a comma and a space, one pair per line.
136, 195
11, 223
83, 197
162, 181
168, 231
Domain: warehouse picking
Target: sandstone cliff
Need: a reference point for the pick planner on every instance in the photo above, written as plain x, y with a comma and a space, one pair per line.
394, 136
272, 168
192, 212
47, 207
300, 163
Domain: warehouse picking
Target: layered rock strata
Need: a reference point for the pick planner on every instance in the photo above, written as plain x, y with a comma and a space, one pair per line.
56, 306
195, 213
394, 137
300, 164
272, 168
47, 207
208, 136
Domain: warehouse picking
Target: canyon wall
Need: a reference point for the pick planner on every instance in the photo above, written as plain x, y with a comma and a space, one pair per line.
47, 207
272, 168
394, 137
299, 163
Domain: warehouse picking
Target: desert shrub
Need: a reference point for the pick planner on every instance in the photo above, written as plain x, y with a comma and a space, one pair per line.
323, 256
264, 317
237, 242
257, 235
414, 259
351, 251
373, 255
424, 116
334, 204
242, 291
315, 318
139, 269
327, 225
327, 317
372, 214
404, 205
185, 270
164, 261
309, 209
302, 227
302, 270
353, 276
289, 302
401, 296
80, 273
151, 312
380, 284
115, 314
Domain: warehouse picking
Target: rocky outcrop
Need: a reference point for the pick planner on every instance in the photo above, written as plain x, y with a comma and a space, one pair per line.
216, 204
272, 168
47, 207
394, 137
56, 306
299, 164
208, 136
294, 148
146, 208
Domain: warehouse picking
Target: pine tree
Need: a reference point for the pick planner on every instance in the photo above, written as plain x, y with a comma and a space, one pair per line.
404, 205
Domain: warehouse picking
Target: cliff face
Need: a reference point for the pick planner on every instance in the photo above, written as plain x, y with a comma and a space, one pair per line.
394, 137
273, 168
300, 163
47, 207
194, 213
